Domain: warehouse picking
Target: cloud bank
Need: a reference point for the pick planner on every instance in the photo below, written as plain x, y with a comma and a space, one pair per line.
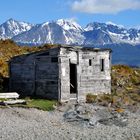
105, 6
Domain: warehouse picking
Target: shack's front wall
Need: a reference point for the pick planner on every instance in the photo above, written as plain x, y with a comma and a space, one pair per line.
90, 79
35, 74
22, 75
66, 57
47, 74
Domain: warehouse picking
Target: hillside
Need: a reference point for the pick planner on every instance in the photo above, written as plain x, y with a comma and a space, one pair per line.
8, 49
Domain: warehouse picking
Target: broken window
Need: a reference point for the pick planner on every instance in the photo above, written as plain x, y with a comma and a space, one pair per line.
90, 62
102, 64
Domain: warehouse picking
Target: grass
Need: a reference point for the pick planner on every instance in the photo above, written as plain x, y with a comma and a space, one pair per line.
41, 104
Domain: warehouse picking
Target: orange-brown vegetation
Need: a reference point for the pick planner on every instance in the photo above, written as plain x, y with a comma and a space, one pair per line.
9, 49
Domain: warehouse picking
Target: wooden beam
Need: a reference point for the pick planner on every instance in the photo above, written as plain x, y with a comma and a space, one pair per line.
9, 95
11, 102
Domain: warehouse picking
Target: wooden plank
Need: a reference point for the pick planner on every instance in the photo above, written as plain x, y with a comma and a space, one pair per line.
11, 102
9, 95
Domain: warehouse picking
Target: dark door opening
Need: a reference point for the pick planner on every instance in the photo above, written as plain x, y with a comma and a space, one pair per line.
73, 79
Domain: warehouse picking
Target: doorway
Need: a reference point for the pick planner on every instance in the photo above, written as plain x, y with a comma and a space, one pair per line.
73, 79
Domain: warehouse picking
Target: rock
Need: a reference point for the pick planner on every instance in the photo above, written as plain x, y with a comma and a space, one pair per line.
93, 115
84, 117
71, 116
84, 109
81, 110
94, 121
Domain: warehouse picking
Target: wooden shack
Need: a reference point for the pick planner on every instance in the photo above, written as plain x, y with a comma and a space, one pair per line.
62, 73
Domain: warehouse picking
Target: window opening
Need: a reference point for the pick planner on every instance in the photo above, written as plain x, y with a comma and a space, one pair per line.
102, 64
90, 62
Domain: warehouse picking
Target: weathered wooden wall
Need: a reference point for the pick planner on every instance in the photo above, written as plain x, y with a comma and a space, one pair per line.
35, 74
22, 75
46, 78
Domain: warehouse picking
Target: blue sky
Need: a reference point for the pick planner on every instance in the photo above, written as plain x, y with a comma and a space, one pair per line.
124, 12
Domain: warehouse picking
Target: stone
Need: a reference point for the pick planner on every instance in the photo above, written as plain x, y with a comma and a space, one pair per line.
71, 116
94, 121
83, 113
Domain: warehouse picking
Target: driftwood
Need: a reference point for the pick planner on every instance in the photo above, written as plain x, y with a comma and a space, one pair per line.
11, 102
9, 95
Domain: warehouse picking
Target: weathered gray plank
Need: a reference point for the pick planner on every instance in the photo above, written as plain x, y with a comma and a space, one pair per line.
11, 102
9, 95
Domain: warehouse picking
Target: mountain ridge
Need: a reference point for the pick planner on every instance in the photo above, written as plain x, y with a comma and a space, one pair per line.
65, 31
12, 27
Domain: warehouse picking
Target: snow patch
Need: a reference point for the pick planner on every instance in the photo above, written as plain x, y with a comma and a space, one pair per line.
114, 24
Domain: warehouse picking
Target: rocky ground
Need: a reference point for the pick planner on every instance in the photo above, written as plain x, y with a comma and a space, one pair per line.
69, 122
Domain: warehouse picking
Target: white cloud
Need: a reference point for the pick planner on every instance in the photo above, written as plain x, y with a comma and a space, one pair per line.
105, 6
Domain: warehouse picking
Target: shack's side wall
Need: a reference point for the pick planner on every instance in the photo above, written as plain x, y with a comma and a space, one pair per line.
35, 74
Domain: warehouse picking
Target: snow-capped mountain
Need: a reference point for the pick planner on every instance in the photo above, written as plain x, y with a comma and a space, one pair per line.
43, 33
68, 32
107, 33
60, 31
69, 25
12, 27
74, 30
